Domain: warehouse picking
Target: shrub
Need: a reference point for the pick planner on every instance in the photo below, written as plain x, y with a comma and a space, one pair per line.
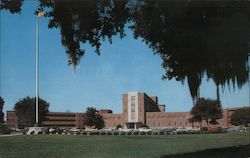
78, 133
94, 133
155, 133
5, 130
109, 133
102, 133
135, 133
84, 133
149, 133
115, 133
142, 133
162, 133
122, 133
129, 133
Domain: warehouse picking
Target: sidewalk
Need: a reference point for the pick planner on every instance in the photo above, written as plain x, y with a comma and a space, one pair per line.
10, 135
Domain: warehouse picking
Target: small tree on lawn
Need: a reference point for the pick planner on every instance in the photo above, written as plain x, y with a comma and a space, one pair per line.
208, 110
241, 117
93, 118
26, 111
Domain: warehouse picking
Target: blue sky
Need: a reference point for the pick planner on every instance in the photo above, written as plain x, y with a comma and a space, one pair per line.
99, 81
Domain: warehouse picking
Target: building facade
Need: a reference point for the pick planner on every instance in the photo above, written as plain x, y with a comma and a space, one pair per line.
12, 120
139, 109
64, 120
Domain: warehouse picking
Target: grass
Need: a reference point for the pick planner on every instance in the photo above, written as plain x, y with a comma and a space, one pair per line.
62, 146
229, 152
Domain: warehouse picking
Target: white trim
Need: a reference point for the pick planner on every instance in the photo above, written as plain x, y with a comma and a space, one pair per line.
136, 95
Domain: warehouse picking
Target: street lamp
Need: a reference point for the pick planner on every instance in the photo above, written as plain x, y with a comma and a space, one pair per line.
38, 14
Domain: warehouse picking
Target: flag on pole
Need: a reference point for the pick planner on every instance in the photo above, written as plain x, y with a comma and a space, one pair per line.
40, 13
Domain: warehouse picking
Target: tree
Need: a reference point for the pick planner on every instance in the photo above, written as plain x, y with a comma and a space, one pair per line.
93, 118
241, 117
26, 111
1, 111
207, 110
193, 38
118, 126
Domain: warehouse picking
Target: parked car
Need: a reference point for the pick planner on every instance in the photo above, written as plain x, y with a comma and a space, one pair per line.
145, 129
167, 130
90, 130
233, 129
125, 130
74, 130
216, 130
181, 130
55, 130
35, 130
105, 130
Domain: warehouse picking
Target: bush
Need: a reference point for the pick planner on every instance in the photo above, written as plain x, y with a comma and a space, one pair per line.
135, 133
155, 133
84, 133
115, 133
122, 133
4, 130
109, 133
149, 133
102, 133
94, 133
142, 133
78, 133
129, 133
162, 133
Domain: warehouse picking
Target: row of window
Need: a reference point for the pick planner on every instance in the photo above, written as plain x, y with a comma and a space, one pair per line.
166, 116
155, 124
11, 120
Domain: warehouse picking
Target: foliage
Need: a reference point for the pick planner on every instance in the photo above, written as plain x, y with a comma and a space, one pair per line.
93, 118
26, 111
4, 129
206, 109
193, 38
1, 111
118, 126
14, 6
241, 117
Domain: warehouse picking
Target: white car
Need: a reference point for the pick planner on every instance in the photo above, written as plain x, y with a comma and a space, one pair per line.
125, 130
35, 130
145, 129
51, 130
181, 129
74, 130
106, 130
90, 130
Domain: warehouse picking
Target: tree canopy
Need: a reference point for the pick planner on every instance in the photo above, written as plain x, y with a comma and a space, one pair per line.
206, 109
93, 118
1, 110
241, 117
26, 111
193, 38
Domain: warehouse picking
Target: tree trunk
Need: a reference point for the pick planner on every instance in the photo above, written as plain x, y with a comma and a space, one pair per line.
207, 123
218, 91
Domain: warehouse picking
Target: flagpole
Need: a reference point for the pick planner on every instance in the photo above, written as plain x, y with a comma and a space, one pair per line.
37, 27
39, 14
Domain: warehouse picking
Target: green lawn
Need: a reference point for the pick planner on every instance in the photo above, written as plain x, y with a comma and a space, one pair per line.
114, 146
